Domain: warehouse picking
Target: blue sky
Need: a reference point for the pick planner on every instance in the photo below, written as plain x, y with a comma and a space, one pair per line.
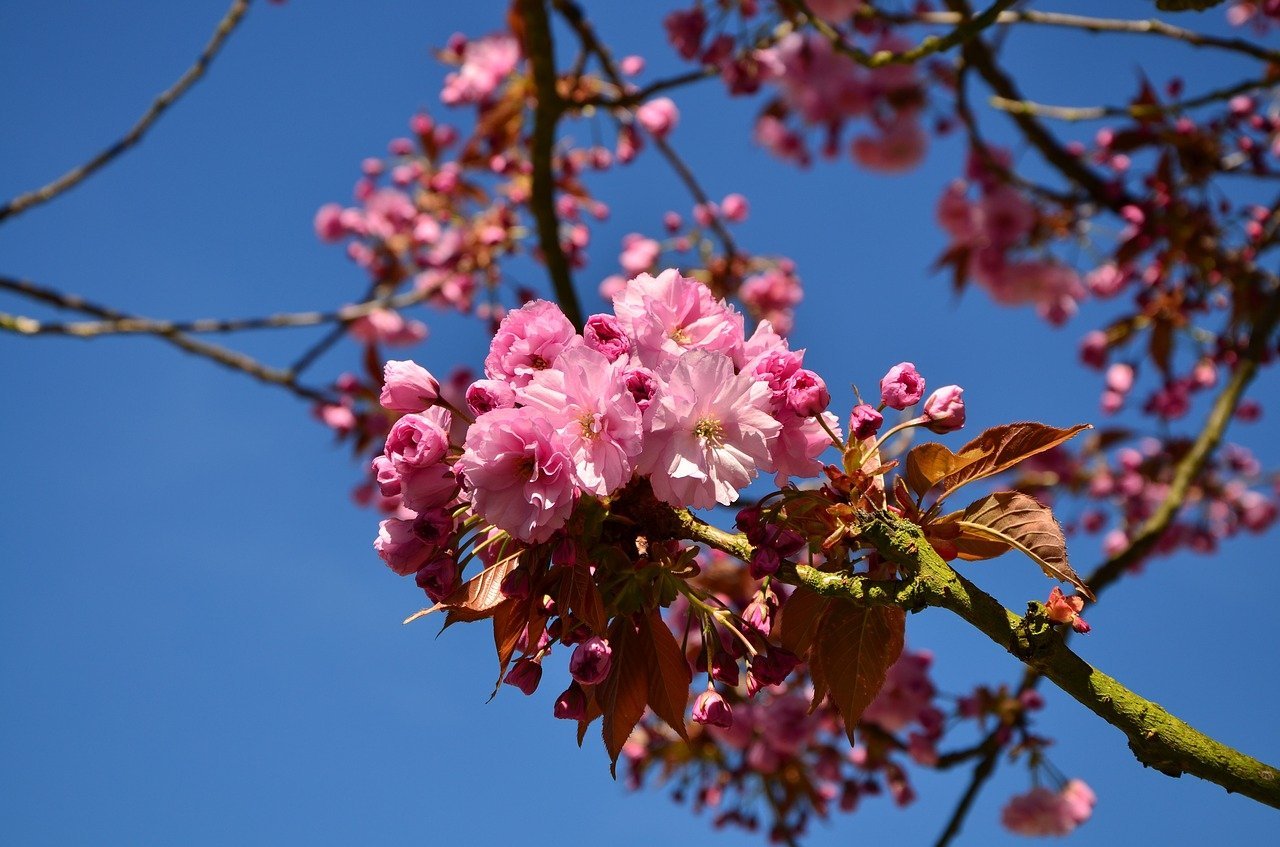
197, 643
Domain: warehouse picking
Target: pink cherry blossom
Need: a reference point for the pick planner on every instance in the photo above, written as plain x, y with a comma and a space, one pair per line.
669, 314
519, 473
407, 387
585, 399
528, 340
710, 433
485, 63
658, 116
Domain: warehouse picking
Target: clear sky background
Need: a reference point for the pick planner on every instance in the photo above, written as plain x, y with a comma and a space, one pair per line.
197, 643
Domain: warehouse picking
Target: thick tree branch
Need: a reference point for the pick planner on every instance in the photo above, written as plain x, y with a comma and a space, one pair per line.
158, 107
540, 50
1157, 738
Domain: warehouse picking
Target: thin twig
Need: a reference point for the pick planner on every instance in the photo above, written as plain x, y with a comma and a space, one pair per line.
1096, 25
158, 107
145, 326
572, 13
228, 358
981, 773
1135, 110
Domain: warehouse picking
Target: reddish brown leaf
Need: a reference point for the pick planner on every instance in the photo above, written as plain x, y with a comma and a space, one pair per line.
625, 691
969, 545
1161, 346
579, 589
798, 620
928, 463
1002, 447
510, 618
1014, 518
483, 592
855, 647
593, 712
669, 673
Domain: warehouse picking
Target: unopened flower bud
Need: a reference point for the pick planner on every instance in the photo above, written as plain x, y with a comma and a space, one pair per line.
590, 662
525, 674
711, 709
945, 409
902, 386
807, 394
865, 421
571, 705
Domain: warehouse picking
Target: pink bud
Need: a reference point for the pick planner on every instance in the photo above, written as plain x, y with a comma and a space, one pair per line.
945, 409
902, 386
329, 226
485, 395
416, 441
407, 387
1120, 377
807, 394
658, 116
439, 577
711, 709
604, 334
591, 660
525, 675
1093, 349
865, 421
571, 705
400, 547
734, 208
631, 65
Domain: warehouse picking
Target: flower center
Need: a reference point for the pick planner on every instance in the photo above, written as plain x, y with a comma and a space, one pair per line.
538, 363
679, 336
590, 423
710, 430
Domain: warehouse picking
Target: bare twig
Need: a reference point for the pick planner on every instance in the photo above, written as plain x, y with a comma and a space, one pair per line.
966, 27
1097, 25
982, 771
146, 326
572, 13
158, 107
1134, 110
223, 356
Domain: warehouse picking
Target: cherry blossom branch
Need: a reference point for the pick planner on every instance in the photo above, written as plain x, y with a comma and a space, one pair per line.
573, 15
232, 359
1192, 464
145, 326
1094, 25
158, 107
977, 55
631, 99
966, 28
540, 50
1157, 738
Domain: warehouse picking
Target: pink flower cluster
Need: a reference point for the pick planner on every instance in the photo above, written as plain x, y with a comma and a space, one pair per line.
985, 232
667, 387
1044, 812
822, 88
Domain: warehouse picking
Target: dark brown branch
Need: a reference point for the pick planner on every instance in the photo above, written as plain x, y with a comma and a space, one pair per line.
540, 50
158, 107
